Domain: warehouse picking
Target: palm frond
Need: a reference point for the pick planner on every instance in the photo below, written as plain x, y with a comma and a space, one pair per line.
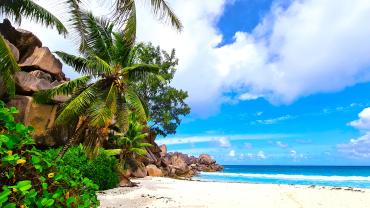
99, 65
135, 104
125, 40
93, 66
111, 99
78, 106
138, 151
77, 22
161, 9
16, 9
164, 11
8, 66
66, 88
139, 71
98, 33
145, 145
100, 115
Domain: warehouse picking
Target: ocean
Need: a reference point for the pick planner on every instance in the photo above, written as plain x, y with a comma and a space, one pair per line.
337, 176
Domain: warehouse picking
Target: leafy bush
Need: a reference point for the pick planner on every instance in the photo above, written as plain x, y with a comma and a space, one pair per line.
30, 177
101, 169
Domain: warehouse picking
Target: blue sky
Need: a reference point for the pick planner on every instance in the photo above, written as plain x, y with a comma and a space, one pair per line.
305, 132
272, 82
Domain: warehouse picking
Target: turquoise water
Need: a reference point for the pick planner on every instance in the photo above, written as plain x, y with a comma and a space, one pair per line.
341, 176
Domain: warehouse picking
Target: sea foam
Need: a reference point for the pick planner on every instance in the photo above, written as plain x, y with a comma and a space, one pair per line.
290, 177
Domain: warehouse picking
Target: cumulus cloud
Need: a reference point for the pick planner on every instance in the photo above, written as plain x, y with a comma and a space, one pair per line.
296, 156
292, 53
359, 147
307, 47
363, 123
281, 144
261, 155
232, 153
223, 142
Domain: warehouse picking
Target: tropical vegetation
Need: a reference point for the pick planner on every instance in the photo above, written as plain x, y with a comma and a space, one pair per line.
122, 96
31, 178
102, 169
104, 96
166, 104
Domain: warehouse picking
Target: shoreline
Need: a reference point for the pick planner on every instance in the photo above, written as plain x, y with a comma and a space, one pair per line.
278, 184
166, 192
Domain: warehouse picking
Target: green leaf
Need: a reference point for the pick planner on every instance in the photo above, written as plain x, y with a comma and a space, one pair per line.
4, 195
71, 200
11, 205
24, 185
35, 160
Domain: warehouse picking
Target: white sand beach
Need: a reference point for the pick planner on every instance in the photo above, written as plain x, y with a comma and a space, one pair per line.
170, 193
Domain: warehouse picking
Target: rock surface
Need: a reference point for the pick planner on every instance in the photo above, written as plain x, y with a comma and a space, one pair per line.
140, 171
154, 171
25, 41
40, 117
14, 50
176, 164
44, 60
27, 84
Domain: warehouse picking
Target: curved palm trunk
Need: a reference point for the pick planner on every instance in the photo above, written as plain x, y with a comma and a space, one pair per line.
73, 139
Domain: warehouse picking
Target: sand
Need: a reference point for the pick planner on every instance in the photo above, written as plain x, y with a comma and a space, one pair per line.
170, 193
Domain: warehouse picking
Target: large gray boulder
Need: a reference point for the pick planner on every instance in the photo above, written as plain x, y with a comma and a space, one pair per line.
25, 41
43, 59
27, 84
40, 117
14, 50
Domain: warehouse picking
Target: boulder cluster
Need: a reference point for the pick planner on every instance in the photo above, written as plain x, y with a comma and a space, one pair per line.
40, 70
172, 164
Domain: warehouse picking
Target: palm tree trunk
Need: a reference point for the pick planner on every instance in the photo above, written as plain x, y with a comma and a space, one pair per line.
72, 140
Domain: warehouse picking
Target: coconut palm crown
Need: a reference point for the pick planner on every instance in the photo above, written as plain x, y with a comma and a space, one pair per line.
103, 95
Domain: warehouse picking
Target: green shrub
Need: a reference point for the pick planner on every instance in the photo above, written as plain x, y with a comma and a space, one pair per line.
101, 169
31, 178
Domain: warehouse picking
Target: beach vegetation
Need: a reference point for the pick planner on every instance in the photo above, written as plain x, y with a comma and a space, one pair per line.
32, 178
166, 104
101, 169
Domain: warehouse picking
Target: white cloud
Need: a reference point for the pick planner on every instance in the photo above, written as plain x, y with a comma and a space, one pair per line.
249, 96
223, 142
296, 156
359, 147
312, 46
293, 153
363, 123
274, 120
232, 153
281, 144
261, 155
219, 139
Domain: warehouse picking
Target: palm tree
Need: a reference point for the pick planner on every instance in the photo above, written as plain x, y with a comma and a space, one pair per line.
16, 10
104, 95
131, 143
